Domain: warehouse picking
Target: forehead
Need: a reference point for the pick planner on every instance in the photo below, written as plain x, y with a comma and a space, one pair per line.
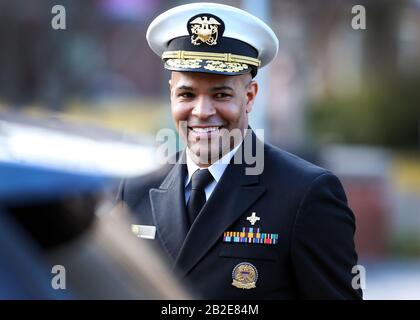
200, 79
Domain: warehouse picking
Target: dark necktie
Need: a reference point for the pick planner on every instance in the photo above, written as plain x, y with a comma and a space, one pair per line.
199, 181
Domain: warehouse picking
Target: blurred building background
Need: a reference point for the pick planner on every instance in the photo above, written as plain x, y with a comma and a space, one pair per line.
345, 99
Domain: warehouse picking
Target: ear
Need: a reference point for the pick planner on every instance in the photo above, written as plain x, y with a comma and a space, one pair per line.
251, 94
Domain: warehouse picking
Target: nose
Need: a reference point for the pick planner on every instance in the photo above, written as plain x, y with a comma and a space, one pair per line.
203, 108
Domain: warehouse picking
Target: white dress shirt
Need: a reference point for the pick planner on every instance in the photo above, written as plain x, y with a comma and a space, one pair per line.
216, 169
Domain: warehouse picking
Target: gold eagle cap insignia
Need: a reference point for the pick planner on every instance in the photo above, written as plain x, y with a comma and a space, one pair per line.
204, 30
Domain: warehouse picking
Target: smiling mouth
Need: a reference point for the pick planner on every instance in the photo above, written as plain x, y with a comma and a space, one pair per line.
205, 129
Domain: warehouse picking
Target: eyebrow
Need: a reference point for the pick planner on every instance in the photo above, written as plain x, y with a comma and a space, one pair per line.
185, 88
217, 88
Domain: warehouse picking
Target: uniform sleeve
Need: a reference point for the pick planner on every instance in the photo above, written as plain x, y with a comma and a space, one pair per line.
322, 248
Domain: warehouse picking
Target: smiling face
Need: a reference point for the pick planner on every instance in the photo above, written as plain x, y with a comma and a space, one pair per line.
212, 106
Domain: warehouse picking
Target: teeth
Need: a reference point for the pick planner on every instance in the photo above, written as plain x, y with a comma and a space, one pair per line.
204, 130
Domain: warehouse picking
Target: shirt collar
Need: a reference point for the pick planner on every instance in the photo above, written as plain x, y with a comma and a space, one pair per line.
216, 169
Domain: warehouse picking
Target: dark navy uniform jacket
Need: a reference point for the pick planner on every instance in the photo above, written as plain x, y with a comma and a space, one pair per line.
303, 204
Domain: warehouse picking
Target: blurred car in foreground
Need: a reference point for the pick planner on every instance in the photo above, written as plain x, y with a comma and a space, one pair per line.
61, 235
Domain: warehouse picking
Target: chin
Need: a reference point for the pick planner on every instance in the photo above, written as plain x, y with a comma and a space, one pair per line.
209, 154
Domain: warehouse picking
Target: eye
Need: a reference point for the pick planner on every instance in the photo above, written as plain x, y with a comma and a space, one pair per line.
222, 95
186, 95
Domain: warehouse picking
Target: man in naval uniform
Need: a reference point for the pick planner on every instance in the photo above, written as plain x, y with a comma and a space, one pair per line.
278, 228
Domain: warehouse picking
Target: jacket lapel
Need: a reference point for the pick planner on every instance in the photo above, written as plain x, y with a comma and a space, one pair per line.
233, 195
169, 210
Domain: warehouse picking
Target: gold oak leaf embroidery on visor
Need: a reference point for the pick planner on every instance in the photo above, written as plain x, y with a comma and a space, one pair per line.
225, 66
184, 63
